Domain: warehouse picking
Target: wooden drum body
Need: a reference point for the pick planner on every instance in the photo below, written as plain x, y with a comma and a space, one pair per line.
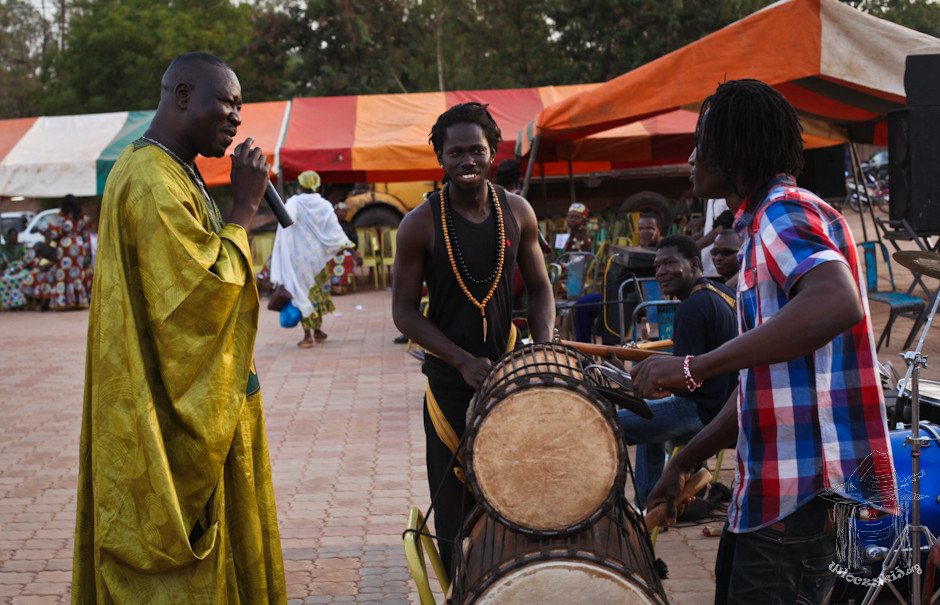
609, 563
544, 450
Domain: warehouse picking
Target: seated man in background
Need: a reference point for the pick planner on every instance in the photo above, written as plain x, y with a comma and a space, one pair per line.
650, 229
724, 253
578, 238
704, 321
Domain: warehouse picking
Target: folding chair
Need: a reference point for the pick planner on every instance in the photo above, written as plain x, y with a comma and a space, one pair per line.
416, 544
902, 304
582, 275
389, 236
261, 246
371, 254
633, 291
663, 319
582, 272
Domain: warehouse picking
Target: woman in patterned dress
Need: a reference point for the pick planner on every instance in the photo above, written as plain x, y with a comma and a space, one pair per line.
15, 262
68, 284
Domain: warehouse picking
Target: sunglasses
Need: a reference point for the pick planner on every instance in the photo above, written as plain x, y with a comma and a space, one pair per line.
723, 251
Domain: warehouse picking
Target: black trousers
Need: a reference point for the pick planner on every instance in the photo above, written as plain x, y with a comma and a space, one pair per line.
450, 498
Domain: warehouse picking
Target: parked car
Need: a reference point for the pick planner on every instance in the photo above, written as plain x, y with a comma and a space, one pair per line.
33, 232
15, 220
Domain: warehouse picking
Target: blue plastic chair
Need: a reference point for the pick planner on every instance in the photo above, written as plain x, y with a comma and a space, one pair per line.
664, 318
645, 289
903, 304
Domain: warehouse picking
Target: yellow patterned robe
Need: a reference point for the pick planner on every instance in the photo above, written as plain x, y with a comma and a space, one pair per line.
175, 499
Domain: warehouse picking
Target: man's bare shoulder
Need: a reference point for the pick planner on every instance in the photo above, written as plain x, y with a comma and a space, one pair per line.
520, 206
417, 224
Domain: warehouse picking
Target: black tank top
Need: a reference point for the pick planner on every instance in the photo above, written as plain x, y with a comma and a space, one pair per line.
449, 308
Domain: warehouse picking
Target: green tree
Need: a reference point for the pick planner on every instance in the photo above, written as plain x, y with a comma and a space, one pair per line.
920, 15
22, 31
115, 51
605, 38
347, 48
503, 44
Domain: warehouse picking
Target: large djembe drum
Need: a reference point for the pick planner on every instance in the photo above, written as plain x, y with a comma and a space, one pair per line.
543, 450
608, 563
547, 463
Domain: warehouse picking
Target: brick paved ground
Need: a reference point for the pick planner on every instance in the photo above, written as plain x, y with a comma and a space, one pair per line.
346, 438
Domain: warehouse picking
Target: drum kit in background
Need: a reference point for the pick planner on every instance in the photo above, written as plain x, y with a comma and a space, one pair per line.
547, 463
887, 544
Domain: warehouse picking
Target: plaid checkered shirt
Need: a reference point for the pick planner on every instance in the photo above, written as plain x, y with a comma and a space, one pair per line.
813, 425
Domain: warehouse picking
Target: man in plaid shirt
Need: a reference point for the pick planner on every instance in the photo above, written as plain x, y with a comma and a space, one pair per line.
808, 417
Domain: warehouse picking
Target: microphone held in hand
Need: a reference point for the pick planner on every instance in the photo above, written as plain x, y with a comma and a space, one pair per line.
277, 206
270, 195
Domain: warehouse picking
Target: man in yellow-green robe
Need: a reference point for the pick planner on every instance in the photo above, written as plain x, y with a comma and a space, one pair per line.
175, 497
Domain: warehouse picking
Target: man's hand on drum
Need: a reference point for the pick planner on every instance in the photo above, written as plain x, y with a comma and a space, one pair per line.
474, 370
657, 376
667, 490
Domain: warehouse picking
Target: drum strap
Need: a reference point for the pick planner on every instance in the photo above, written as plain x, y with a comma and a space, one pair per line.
445, 432
710, 286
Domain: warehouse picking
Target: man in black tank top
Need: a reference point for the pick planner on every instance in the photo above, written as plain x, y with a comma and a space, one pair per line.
465, 242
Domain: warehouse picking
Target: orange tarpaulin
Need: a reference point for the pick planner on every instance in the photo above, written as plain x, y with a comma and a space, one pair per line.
378, 138
263, 122
12, 131
835, 64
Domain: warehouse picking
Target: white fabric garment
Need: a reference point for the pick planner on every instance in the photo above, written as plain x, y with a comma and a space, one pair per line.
713, 208
303, 249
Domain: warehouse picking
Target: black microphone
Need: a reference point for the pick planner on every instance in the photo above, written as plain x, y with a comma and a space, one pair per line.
271, 197
277, 206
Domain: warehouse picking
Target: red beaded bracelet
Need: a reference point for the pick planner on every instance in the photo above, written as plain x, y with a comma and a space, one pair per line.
690, 383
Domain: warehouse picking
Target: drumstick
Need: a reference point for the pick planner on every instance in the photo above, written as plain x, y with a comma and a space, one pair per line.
642, 351
657, 516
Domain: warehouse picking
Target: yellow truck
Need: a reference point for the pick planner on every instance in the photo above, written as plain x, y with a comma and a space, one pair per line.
378, 204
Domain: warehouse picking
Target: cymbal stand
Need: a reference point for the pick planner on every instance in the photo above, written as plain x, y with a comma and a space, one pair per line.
915, 361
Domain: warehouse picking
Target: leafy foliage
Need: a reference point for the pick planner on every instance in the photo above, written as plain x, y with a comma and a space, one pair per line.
605, 38
22, 33
922, 15
115, 51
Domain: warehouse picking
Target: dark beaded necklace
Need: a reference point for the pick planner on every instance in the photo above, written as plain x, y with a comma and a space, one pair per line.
453, 252
458, 256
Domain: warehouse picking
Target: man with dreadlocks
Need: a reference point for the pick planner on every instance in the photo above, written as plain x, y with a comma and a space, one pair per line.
465, 242
809, 416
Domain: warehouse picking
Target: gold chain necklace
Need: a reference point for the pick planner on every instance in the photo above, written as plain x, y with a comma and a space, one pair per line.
215, 215
481, 305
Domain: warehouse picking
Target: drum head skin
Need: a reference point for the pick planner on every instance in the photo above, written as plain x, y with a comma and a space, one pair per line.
564, 583
545, 458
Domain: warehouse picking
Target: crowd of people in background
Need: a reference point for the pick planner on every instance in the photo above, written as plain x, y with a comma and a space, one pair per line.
54, 274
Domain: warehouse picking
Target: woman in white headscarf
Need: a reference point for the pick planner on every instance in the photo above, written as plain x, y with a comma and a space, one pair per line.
302, 251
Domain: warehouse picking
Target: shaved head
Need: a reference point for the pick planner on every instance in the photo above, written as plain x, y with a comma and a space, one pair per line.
188, 69
198, 113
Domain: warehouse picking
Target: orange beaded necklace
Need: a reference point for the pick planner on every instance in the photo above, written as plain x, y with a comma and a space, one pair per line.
481, 305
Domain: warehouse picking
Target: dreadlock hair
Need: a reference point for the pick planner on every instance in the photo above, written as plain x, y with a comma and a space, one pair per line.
752, 131
474, 113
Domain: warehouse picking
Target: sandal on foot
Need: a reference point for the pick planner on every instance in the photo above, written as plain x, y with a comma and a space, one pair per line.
305, 344
319, 336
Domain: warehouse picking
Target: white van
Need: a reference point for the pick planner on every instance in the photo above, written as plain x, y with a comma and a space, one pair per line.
33, 232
